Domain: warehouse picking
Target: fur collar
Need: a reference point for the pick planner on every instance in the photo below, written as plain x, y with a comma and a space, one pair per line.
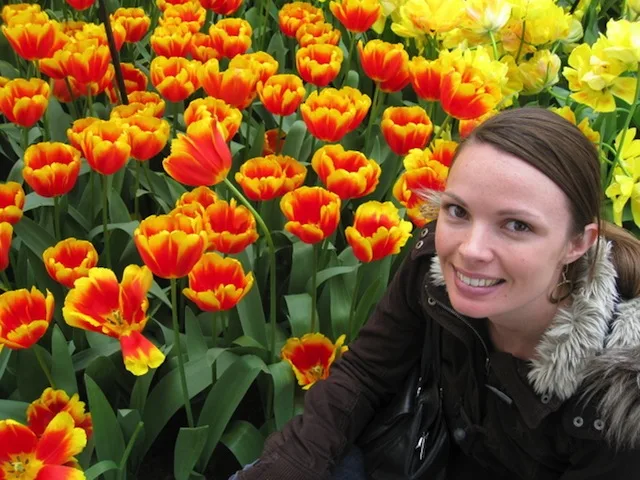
592, 349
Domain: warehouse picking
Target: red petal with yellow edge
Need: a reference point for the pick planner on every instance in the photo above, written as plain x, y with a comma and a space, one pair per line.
6, 234
310, 357
24, 336
61, 440
139, 354
41, 411
24, 316
463, 100
362, 249
15, 438
136, 282
60, 472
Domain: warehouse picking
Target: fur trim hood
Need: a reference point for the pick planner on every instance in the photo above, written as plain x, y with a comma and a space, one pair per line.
592, 349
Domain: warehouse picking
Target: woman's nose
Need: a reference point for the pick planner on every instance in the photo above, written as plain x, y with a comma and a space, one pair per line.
476, 245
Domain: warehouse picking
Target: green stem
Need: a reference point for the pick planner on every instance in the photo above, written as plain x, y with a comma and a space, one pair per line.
524, 29
90, 104
56, 217
176, 341
45, 126
272, 262
374, 107
248, 137
174, 126
45, 367
25, 138
5, 280
105, 217
145, 168
136, 201
214, 327
279, 144
443, 126
347, 65
354, 303
314, 287
627, 122
73, 100
128, 450
495, 45
263, 40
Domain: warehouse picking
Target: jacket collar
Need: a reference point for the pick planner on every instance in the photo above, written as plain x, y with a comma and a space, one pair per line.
591, 348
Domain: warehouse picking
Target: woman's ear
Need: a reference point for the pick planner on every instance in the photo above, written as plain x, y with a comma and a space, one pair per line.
579, 245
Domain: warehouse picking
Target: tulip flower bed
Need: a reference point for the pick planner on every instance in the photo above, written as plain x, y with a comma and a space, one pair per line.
202, 200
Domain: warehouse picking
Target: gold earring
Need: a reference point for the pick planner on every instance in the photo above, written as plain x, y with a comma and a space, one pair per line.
565, 284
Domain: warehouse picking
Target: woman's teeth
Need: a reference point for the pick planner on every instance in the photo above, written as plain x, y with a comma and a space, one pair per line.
477, 282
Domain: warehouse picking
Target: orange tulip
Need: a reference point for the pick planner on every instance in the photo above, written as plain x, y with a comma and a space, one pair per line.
6, 233
75, 134
347, 173
105, 145
24, 317
202, 48
443, 151
281, 94
175, 78
134, 80
426, 76
147, 136
190, 14
152, 103
313, 213
356, 15
231, 36
295, 14
432, 175
377, 231
263, 64
265, 178
134, 21
39, 38
93, 88
53, 67
396, 83
202, 196
236, 86
405, 128
170, 245
465, 93
51, 168
230, 227
69, 260
86, 61
11, 202
333, 113
382, 61
311, 357
316, 33
201, 157
171, 41
43, 410
319, 64
273, 141
23, 102
222, 7
80, 4
121, 312
229, 118
217, 284
465, 127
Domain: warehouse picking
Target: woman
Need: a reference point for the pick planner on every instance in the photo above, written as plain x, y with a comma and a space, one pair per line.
538, 304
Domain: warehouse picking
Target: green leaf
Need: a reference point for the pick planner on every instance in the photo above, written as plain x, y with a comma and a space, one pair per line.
196, 343
30, 377
14, 410
243, 440
258, 142
62, 369
250, 309
141, 390
294, 140
5, 354
118, 210
299, 306
33, 201
328, 273
301, 258
35, 237
106, 430
340, 305
189, 446
224, 398
100, 468
284, 382
166, 398
160, 294
59, 121
83, 359
128, 227
352, 79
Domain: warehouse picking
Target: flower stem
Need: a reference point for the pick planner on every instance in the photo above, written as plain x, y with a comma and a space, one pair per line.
56, 217
90, 104
248, 137
25, 138
176, 341
494, 45
74, 109
279, 144
443, 126
105, 218
272, 262
45, 367
45, 126
314, 287
145, 168
524, 28
127, 451
374, 107
136, 202
354, 303
263, 39
347, 65
174, 126
214, 328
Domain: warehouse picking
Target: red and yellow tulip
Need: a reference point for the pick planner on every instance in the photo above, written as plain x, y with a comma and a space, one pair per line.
171, 41
80, 4
99, 303
347, 173
51, 168
356, 15
134, 80
228, 117
230, 227
295, 14
217, 283
319, 64
466, 93
106, 147
170, 245
69, 260
175, 78
273, 141
24, 317
75, 133
134, 21
86, 61
152, 103
405, 128
231, 36
11, 202
202, 48
281, 94
317, 33
43, 410
38, 38
190, 15
202, 196
147, 136
236, 86
6, 234
382, 61
23, 102
426, 76
262, 64
312, 213
271, 176
222, 7
311, 357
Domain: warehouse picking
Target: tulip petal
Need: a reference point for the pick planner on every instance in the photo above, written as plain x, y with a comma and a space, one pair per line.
139, 354
15, 438
60, 472
61, 440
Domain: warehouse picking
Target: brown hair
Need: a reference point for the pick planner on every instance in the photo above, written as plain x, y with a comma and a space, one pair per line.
559, 150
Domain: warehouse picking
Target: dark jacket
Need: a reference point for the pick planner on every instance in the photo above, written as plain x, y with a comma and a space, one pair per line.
571, 414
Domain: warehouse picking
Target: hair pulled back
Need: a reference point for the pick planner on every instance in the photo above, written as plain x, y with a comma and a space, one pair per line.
559, 150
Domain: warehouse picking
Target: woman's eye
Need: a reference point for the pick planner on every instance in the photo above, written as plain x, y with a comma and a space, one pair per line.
456, 211
518, 226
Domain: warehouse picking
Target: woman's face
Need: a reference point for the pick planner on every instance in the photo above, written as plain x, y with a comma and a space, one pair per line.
502, 236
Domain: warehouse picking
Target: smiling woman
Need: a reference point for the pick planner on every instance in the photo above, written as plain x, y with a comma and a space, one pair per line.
537, 304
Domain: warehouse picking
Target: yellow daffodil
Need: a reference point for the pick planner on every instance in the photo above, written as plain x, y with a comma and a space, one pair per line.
625, 185
624, 38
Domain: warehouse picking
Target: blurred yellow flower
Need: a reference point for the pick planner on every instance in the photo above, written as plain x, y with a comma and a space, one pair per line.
625, 184
488, 15
417, 18
568, 114
624, 38
539, 72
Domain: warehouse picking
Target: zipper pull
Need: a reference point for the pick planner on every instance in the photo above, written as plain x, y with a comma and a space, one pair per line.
422, 444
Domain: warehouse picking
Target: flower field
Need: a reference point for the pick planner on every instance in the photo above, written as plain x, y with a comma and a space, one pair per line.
202, 200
